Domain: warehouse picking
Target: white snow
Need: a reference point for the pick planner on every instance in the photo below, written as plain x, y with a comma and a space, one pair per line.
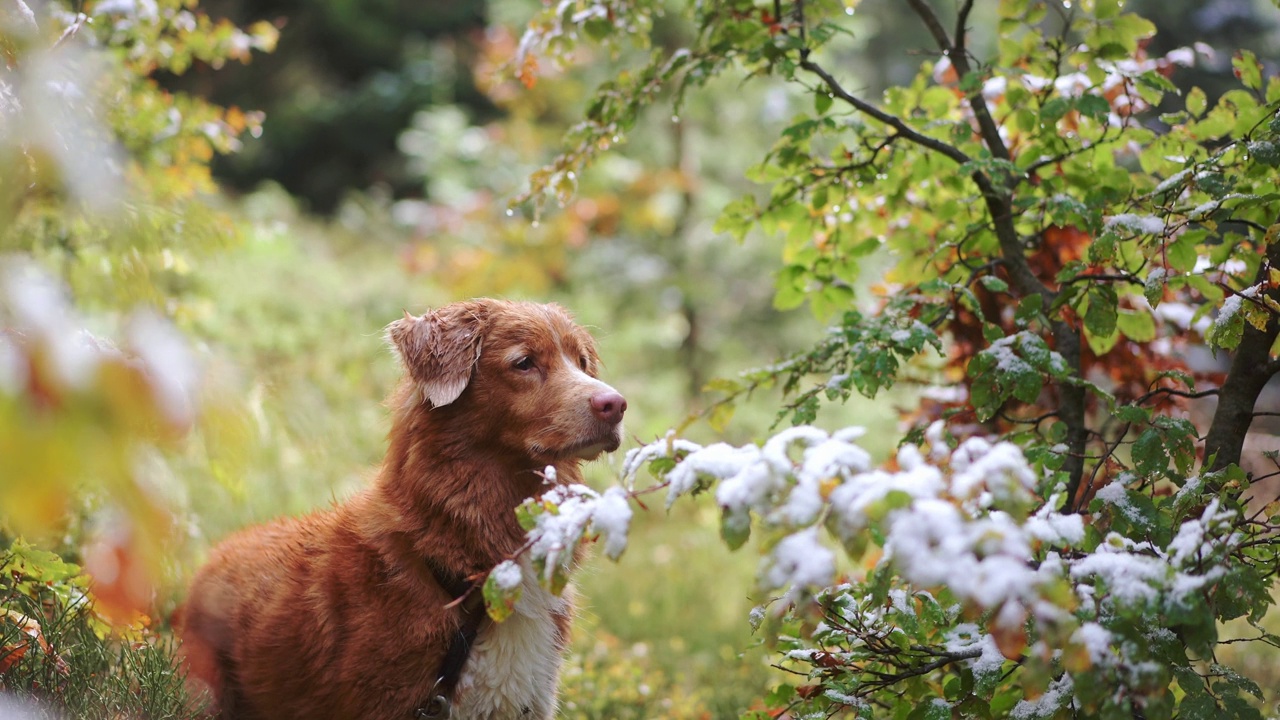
1175, 179
949, 519
799, 562
1055, 528
506, 575
967, 636
1097, 641
1048, 704
1181, 56
611, 518
1141, 224
577, 510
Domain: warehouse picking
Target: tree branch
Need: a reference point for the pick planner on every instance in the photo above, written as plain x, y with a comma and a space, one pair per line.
999, 204
1251, 368
987, 126
892, 121
962, 29
927, 668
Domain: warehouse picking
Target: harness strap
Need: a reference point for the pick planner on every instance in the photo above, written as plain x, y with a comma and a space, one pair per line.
471, 615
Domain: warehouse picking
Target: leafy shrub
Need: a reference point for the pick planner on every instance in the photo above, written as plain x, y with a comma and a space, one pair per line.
1052, 538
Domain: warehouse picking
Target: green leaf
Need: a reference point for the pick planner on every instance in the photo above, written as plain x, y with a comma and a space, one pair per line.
1132, 414
1236, 680
1196, 102
1105, 9
1102, 314
1189, 680
720, 416
935, 709
1138, 326
1149, 456
527, 514
1248, 69
598, 28
1181, 253
1153, 287
1093, 106
822, 101
1198, 706
995, 284
1266, 152
735, 528
500, 602
738, 217
1027, 386
1029, 307
1053, 110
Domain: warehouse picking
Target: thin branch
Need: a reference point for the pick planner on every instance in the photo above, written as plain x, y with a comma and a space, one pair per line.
930, 667
986, 124
1247, 223
962, 30
1030, 420
1176, 393
72, 29
892, 121
1109, 278
935, 27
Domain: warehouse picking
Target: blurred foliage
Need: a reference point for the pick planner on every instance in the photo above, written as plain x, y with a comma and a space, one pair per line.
104, 185
105, 172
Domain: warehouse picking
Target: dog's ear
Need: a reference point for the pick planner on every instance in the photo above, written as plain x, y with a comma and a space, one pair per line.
439, 349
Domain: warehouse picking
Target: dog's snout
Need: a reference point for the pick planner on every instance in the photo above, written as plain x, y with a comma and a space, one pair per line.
609, 406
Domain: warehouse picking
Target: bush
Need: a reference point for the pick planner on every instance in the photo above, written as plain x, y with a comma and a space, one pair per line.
1053, 538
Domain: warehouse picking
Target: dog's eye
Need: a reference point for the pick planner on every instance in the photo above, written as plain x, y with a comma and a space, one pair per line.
523, 364
582, 361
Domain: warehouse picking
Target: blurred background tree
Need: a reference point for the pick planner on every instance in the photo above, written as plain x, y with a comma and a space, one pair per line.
344, 82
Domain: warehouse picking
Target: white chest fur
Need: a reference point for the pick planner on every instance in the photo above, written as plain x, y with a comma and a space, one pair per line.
514, 667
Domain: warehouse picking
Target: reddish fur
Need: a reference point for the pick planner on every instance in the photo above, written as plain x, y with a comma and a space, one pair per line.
335, 614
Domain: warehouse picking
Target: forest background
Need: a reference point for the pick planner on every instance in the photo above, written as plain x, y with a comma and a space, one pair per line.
298, 174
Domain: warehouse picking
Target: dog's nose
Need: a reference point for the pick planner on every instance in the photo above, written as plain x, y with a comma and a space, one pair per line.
609, 406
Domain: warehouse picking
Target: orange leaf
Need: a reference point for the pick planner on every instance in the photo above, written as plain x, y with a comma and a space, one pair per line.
1010, 636
11, 654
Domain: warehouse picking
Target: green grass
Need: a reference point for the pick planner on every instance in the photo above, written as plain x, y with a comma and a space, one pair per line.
83, 676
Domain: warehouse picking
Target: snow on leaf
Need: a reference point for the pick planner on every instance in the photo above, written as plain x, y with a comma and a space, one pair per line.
799, 562
1097, 641
1140, 224
1131, 578
1048, 704
506, 575
564, 516
502, 590
986, 668
611, 518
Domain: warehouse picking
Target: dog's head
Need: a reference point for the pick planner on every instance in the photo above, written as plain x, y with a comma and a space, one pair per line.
522, 376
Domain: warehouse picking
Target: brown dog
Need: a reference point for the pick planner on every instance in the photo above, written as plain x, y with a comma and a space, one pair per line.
342, 613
